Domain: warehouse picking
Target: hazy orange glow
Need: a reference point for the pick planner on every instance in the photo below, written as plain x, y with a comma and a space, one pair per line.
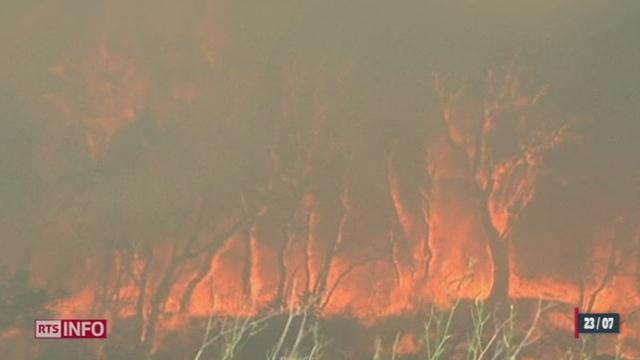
220, 177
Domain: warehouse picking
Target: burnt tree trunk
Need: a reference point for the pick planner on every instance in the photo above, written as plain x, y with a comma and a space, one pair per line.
499, 249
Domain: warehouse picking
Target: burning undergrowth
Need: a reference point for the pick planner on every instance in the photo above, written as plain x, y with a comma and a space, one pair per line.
311, 225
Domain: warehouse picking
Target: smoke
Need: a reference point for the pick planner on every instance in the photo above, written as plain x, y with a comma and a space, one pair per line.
164, 158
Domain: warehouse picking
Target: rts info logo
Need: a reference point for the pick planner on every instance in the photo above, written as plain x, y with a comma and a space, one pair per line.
70, 329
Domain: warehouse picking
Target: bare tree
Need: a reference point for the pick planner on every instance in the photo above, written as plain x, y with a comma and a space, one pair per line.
411, 245
504, 142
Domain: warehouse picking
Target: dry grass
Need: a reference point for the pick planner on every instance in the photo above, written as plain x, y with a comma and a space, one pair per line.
471, 330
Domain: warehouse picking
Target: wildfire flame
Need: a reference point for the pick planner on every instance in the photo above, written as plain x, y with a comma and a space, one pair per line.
213, 189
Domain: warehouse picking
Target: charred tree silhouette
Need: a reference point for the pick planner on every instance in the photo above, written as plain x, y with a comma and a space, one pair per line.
310, 160
411, 244
20, 301
504, 140
178, 259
